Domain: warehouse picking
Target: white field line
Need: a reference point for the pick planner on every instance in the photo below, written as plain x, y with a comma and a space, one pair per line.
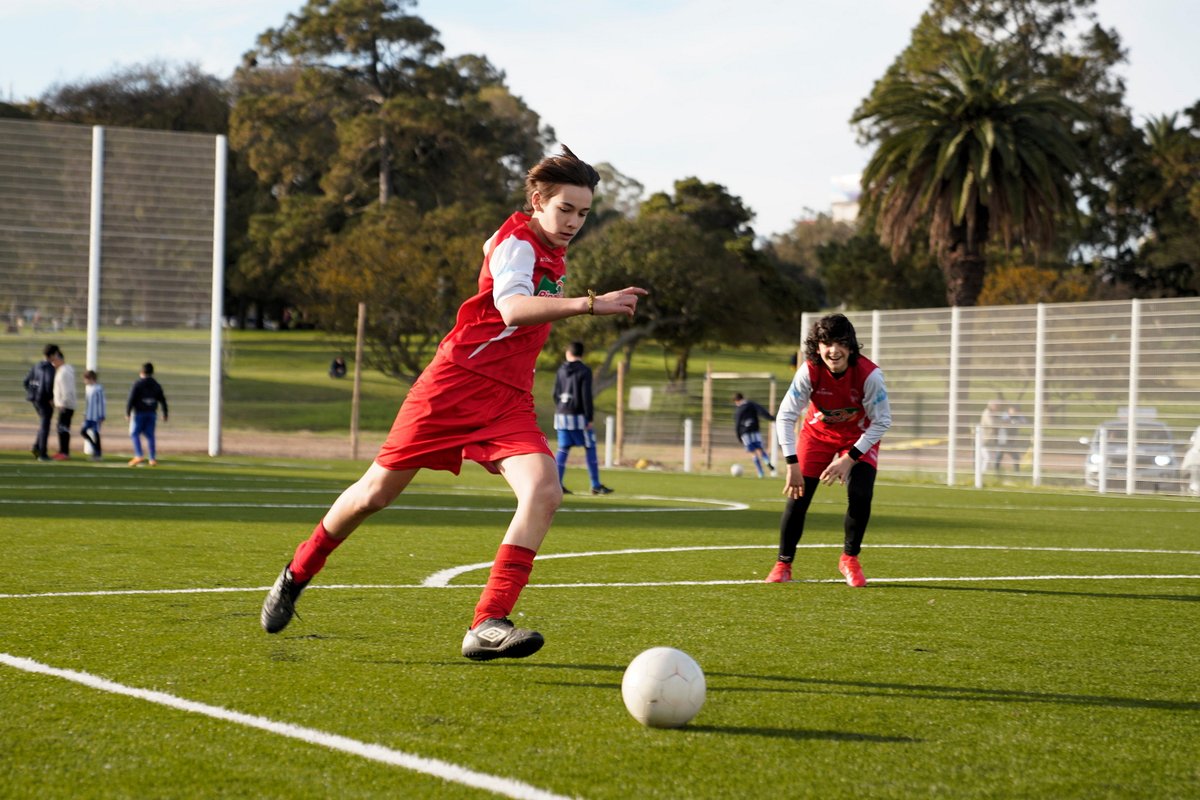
442, 578
373, 752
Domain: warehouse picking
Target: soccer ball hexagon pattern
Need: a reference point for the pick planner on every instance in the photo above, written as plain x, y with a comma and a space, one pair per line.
663, 688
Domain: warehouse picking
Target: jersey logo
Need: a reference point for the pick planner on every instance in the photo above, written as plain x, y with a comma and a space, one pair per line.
833, 416
548, 288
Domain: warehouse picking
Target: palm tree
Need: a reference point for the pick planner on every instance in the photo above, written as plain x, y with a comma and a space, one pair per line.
968, 150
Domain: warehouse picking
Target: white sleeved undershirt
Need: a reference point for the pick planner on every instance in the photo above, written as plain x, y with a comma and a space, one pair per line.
512, 264
795, 404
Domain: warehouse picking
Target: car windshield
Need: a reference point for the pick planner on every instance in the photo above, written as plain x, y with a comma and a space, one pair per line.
1146, 434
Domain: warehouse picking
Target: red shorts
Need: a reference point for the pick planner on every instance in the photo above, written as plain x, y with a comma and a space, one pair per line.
817, 454
452, 413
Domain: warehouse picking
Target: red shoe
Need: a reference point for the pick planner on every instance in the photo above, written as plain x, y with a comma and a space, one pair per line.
849, 566
780, 573
60, 456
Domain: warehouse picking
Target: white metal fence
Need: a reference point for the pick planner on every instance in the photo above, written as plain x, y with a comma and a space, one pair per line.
111, 246
1065, 369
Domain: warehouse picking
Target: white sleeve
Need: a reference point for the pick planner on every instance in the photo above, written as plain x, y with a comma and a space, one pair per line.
511, 265
878, 410
792, 409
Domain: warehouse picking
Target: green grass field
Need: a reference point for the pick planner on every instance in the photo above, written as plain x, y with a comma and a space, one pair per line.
1011, 644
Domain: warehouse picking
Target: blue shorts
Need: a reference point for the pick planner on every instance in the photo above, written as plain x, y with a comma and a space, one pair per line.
753, 441
577, 438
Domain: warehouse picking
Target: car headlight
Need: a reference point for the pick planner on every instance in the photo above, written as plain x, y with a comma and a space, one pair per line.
1162, 461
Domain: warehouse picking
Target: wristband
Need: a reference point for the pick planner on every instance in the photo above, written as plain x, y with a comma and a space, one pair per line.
592, 302
854, 453
792, 459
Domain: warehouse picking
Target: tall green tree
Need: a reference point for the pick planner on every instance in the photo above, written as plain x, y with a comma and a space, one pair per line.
698, 293
156, 95
1064, 44
969, 149
351, 106
360, 89
1168, 193
412, 270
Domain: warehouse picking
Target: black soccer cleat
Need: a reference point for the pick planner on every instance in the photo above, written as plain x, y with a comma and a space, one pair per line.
602, 489
280, 605
498, 638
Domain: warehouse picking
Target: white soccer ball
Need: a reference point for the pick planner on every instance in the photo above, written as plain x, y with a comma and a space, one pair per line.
663, 688
736, 470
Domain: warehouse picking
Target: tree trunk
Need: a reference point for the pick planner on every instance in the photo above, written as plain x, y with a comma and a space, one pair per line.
964, 274
385, 170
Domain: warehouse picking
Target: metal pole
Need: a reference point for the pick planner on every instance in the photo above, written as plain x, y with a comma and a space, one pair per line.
356, 399
687, 445
706, 417
1102, 475
609, 435
773, 408
979, 457
620, 411
217, 305
1135, 359
1039, 392
952, 446
95, 234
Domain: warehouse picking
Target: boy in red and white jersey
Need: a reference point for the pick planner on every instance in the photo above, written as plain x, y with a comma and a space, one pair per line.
844, 402
475, 401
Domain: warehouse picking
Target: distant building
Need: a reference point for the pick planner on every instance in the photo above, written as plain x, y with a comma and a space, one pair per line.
845, 211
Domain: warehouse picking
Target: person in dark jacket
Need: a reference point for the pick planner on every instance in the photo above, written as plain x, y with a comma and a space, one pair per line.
746, 414
39, 390
573, 416
142, 407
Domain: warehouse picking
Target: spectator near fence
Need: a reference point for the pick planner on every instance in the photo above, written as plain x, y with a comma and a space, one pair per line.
65, 400
39, 390
145, 397
94, 411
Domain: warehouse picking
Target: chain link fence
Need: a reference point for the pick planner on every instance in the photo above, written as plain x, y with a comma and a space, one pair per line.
1062, 379
122, 219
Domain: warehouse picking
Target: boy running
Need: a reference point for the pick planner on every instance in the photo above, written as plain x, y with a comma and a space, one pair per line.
475, 401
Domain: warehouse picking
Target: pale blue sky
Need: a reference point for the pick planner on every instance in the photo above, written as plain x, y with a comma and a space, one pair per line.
754, 95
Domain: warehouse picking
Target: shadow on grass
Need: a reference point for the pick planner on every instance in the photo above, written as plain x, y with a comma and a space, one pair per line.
1178, 598
971, 694
801, 734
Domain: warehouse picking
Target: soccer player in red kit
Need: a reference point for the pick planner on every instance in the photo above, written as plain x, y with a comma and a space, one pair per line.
475, 401
844, 403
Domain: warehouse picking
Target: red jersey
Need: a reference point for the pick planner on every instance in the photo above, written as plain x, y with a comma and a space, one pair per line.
844, 410
517, 262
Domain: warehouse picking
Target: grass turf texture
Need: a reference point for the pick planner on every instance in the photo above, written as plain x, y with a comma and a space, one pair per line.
955, 688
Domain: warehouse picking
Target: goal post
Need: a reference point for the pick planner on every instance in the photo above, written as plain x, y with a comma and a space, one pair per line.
706, 419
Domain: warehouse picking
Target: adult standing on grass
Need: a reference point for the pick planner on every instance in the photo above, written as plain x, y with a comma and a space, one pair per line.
475, 401
573, 413
145, 397
844, 403
65, 400
39, 390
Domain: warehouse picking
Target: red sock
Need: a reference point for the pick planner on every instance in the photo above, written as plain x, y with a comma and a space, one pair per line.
510, 573
312, 552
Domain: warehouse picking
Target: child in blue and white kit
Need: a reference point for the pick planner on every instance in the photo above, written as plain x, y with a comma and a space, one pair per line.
93, 413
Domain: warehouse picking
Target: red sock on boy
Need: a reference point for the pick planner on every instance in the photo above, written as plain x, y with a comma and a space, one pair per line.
510, 573
311, 554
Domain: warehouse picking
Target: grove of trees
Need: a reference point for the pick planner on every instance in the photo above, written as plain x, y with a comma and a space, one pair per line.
367, 164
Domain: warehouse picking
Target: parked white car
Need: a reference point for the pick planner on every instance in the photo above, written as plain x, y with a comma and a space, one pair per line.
1156, 460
